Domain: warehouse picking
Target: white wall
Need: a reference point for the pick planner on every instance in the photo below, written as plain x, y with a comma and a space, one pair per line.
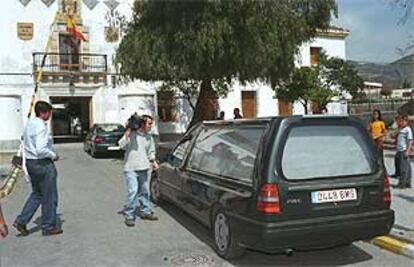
183, 115
267, 105
265, 101
333, 47
16, 55
137, 96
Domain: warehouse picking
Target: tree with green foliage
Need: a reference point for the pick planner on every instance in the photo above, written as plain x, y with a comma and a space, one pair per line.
341, 76
320, 83
215, 42
303, 81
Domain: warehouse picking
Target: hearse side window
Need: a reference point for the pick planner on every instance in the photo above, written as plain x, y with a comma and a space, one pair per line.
177, 156
228, 152
326, 151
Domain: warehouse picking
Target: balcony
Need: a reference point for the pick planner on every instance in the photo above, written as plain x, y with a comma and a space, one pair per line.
76, 68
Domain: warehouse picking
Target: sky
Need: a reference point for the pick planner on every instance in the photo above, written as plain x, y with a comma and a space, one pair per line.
375, 30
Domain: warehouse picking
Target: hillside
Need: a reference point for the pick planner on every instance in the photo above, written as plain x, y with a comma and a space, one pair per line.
392, 75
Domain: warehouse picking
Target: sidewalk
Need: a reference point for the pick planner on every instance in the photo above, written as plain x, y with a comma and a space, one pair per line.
401, 238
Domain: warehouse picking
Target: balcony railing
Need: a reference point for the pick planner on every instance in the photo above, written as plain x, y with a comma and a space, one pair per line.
64, 62
71, 68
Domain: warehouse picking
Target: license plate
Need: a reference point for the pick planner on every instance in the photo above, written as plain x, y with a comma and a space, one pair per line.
113, 148
334, 195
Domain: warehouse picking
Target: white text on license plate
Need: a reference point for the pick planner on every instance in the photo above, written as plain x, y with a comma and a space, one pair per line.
334, 195
113, 148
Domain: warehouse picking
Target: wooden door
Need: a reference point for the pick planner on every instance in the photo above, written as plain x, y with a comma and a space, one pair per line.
249, 104
285, 108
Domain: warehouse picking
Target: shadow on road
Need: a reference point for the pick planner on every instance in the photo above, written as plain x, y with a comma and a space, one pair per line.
339, 256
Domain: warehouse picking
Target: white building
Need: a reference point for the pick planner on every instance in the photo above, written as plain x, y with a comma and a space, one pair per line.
373, 89
79, 76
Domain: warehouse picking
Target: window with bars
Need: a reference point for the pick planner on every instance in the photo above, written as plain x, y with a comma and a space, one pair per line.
166, 106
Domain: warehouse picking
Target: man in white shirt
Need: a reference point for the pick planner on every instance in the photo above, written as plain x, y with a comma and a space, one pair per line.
139, 159
40, 155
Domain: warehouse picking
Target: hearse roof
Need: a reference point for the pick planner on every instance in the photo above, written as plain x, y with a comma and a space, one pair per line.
264, 120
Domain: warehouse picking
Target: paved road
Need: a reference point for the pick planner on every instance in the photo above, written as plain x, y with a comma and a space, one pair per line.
402, 201
91, 193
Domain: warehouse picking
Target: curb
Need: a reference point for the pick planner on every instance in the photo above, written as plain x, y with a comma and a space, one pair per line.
395, 245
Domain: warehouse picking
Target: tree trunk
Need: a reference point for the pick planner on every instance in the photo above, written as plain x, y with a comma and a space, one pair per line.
206, 107
305, 106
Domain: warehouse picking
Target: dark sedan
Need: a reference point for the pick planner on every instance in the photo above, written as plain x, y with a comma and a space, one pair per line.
103, 138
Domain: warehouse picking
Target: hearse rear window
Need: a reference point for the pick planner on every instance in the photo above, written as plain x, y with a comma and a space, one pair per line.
228, 151
326, 151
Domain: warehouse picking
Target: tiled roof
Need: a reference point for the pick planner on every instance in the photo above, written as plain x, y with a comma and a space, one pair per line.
334, 31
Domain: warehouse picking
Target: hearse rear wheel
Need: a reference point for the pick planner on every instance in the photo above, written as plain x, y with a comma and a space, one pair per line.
225, 242
155, 193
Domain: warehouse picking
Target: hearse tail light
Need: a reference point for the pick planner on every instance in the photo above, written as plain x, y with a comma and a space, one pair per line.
99, 139
387, 192
268, 199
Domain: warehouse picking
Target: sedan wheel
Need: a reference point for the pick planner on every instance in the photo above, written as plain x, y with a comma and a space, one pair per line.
226, 243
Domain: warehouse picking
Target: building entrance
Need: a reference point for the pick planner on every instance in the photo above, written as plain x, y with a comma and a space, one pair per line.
71, 116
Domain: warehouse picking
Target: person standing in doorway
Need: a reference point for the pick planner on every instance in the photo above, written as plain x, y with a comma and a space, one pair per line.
139, 159
3, 226
40, 157
402, 157
236, 113
377, 129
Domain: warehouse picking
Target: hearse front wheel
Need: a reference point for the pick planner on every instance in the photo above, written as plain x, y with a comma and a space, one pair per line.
224, 239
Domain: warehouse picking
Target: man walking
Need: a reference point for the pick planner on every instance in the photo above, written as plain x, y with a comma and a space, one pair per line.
139, 159
39, 154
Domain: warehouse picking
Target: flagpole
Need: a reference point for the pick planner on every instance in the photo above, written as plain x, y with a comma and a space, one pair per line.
40, 72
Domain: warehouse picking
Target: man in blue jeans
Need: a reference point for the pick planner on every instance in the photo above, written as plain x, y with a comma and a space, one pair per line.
40, 155
404, 143
139, 159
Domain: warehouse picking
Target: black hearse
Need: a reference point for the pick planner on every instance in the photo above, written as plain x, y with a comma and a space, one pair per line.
279, 184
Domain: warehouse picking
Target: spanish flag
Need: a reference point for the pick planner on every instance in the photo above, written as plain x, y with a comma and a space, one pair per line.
71, 28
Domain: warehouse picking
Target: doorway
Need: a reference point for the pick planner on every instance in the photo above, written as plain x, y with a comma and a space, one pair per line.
285, 108
71, 116
249, 104
68, 52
